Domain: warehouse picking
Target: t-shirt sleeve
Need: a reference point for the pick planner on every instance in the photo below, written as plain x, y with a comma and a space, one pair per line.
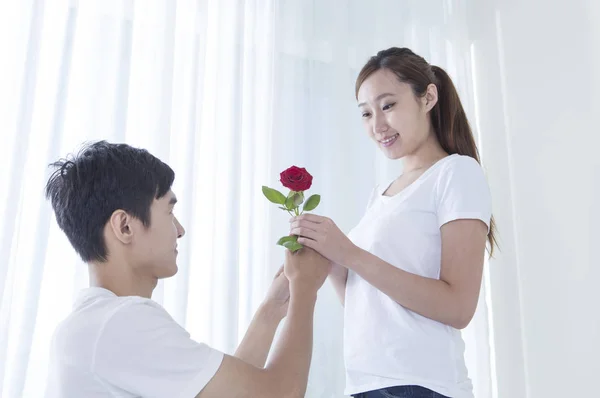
463, 193
143, 351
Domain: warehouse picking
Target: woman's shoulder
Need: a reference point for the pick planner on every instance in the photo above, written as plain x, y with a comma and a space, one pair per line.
463, 173
460, 166
457, 161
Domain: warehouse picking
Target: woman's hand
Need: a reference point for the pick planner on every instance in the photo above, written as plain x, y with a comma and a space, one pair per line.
322, 235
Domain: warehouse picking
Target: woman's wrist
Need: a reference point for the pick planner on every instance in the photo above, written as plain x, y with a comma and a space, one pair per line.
353, 257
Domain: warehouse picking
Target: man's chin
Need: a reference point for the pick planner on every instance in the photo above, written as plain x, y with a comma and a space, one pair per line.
169, 272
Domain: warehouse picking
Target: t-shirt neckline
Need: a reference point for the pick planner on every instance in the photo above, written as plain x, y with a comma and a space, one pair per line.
91, 292
413, 185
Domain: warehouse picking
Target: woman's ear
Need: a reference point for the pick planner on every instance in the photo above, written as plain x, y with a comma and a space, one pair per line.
430, 97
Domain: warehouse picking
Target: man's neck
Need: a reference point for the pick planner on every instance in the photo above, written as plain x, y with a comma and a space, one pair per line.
120, 279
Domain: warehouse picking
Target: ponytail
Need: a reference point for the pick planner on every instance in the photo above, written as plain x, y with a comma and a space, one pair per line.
453, 130
449, 119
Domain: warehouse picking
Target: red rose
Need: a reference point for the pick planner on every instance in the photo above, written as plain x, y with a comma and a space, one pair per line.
296, 179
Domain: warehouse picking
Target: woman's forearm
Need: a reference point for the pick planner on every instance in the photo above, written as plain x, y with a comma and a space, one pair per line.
338, 277
431, 298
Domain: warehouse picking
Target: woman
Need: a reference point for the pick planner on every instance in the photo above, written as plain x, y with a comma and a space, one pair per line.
409, 273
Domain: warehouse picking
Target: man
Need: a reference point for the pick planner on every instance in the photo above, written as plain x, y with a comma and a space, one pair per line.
115, 205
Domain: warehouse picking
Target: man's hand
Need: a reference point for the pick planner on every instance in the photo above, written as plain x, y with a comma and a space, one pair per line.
306, 267
277, 299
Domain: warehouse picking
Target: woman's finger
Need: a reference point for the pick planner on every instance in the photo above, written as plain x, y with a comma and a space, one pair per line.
308, 243
305, 224
310, 217
306, 233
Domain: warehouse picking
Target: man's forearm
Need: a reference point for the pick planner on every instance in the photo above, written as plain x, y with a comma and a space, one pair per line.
293, 352
254, 348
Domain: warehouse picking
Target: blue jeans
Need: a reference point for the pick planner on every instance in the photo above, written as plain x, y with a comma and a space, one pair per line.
401, 392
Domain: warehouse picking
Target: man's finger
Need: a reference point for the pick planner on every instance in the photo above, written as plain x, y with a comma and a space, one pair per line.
278, 272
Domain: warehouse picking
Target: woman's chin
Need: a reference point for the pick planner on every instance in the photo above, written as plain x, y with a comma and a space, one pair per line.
392, 154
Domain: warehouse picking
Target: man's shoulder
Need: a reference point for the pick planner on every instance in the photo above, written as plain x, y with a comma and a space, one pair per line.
115, 343
91, 314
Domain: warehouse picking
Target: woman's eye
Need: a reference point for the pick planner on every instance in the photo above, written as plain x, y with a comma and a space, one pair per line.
388, 106
366, 114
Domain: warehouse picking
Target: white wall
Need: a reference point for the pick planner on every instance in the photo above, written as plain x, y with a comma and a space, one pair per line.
539, 93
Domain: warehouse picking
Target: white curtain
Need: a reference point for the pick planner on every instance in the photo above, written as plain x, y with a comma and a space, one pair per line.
229, 93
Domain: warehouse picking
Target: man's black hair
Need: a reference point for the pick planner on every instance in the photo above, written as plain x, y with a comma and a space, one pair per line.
87, 188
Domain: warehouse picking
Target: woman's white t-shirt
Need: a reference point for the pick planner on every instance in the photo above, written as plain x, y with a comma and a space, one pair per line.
386, 344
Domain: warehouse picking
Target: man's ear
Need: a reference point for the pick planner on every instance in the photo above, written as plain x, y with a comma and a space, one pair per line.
121, 225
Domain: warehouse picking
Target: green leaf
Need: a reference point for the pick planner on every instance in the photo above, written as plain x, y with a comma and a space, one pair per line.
293, 246
289, 203
285, 239
290, 243
273, 195
312, 203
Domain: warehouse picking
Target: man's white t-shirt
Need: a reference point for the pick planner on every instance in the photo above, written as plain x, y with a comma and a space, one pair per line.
386, 344
114, 346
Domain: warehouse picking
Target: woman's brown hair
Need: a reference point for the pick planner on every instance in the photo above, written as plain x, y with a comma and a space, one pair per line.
448, 117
